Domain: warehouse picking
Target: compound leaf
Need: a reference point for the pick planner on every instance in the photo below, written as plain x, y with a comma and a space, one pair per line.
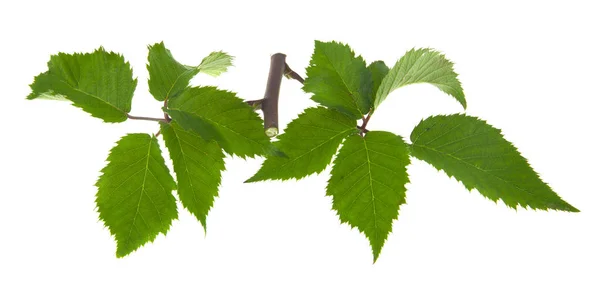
101, 83
368, 184
198, 165
309, 141
134, 196
338, 79
168, 77
220, 115
422, 66
477, 155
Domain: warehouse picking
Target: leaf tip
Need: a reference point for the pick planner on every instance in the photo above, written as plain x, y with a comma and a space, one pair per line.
375, 257
570, 208
253, 179
121, 252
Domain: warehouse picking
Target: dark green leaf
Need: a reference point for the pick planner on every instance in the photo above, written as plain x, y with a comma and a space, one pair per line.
101, 83
422, 66
477, 155
338, 79
134, 197
200, 126
198, 165
168, 77
378, 71
368, 184
309, 141
222, 115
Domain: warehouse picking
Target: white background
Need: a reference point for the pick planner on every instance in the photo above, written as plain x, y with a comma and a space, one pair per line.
528, 68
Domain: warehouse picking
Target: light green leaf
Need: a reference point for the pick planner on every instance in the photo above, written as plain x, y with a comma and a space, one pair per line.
422, 66
477, 155
168, 77
338, 79
101, 83
378, 71
309, 141
222, 116
134, 196
368, 184
198, 165
216, 63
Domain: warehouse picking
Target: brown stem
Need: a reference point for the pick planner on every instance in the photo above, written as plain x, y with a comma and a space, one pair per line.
363, 127
270, 101
167, 117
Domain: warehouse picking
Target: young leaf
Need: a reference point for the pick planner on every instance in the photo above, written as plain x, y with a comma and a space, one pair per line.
101, 83
477, 155
338, 79
198, 165
134, 196
216, 63
222, 116
168, 77
422, 66
309, 141
368, 184
378, 71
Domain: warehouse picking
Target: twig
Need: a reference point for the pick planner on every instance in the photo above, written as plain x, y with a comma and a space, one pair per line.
147, 118
271, 99
269, 104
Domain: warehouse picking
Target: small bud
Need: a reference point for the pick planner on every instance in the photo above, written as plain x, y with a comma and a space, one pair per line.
271, 131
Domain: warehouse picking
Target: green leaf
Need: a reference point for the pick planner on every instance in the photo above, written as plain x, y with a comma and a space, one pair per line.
198, 165
222, 116
134, 196
422, 66
368, 184
477, 155
200, 126
216, 63
378, 71
338, 79
101, 83
168, 77
309, 141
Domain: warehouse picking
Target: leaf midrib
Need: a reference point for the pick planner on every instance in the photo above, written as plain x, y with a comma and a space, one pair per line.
318, 146
510, 183
189, 177
194, 114
355, 101
90, 95
188, 69
371, 187
142, 191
